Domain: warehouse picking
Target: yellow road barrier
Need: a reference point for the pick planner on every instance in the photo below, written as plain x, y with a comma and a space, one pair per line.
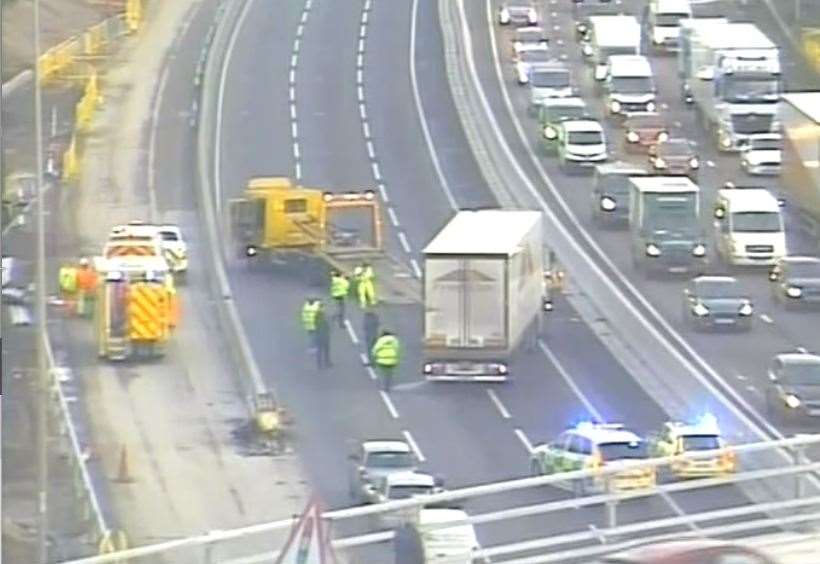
811, 46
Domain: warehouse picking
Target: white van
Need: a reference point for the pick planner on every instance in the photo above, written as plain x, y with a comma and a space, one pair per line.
429, 541
630, 85
611, 35
749, 226
663, 23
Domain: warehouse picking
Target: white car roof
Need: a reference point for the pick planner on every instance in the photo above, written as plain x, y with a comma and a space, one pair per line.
568, 102
794, 259
529, 29
385, 446
750, 200
665, 184
599, 434
450, 541
410, 479
800, 358
574, 125
715, 278
673, 7
629, 65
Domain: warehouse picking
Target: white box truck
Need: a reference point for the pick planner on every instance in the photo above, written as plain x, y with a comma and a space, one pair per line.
484, 291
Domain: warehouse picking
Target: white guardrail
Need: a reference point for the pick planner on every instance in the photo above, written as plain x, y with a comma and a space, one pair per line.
367, 522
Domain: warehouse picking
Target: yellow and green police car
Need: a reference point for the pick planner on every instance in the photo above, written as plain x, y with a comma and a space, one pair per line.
595, 446
676, 439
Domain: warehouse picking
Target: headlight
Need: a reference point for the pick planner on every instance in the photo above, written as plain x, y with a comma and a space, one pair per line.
663, 136
587, 50
532, 16
652, 250
550, 133
582, 28
699, 250
516, 45
659, 163
428, 368
694, 162
607, 203
633, 137
725, 141
746, 310
700, 310
792, 401
250, 250
651, 107
615, 106
794, 292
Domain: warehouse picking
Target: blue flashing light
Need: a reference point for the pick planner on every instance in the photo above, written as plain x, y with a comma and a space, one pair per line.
707, 423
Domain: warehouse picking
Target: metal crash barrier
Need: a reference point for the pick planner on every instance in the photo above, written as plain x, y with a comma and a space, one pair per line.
794, 503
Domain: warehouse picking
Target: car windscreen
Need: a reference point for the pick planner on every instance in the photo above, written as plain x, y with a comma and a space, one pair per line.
550, 79
804, 270
669, 20
585, 138
717, 289
766, 144
564, 112
614, 184
405, 492
633, 85
701, 442
645, 122
756, 222
802, 374
751, 90
534, 56
675, 149
390, 460
623, 450
529, 35
169, 236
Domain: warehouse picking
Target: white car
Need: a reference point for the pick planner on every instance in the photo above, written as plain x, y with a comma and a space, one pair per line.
527, 36
517, 12
174, 248
763, 155
527, 57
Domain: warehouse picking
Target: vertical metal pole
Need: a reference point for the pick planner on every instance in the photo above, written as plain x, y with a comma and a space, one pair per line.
40, 304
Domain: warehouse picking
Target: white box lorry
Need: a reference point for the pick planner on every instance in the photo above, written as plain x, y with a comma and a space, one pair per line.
484, 293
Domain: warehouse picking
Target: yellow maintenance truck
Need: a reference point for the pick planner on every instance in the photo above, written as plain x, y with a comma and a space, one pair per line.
285, 222
137, 306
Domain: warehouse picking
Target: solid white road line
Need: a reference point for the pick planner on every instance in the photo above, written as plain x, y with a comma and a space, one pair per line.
524, 440
389, 403
500, 406
351, 332
409, 438
425, 129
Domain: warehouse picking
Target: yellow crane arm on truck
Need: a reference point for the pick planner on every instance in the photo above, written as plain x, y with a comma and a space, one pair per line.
279, 218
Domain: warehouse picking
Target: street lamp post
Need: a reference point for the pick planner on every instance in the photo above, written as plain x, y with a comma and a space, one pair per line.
42, 388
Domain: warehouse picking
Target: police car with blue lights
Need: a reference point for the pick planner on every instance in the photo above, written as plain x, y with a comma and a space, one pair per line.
595, 446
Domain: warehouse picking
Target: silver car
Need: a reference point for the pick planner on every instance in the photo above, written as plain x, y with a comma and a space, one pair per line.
517, 12
374, 461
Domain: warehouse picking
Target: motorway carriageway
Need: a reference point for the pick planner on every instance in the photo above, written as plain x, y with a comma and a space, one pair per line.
321, 91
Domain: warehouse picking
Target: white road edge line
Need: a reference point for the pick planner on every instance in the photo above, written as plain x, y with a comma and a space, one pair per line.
497, 402
220, 99
411, 441
152, 147
524, 440
389, 403
425, 129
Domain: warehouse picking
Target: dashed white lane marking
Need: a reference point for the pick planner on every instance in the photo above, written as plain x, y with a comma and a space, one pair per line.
294, 60
305, 14
383, 192
740, 377
362, 32
372, 373
292, 76
296, 152
765, 318
362, 111
360, 93
292, 111
351, 332
360, 76
524, 440
297, 43
366, 129
497, 402
292, 93
412, 442
569, 381
710, 164
300, 30
363, 358
416, 268
364, 17
803, 350
377, 174
294, 129
297, 168
389, 403
360, 60
404, 243
371, 151
361, 46
393, 217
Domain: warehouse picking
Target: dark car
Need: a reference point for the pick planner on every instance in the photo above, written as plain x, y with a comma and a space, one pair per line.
674, 156
643, 129
795, 281
698, 551
715, 302
794, 389
610, 193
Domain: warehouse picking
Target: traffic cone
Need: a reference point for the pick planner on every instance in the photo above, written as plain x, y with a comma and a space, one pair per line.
123, 476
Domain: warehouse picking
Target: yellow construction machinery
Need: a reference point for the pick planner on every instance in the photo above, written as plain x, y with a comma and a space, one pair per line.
137, 306
283, 221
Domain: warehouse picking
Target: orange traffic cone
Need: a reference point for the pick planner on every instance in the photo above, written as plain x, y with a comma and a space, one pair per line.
123, 476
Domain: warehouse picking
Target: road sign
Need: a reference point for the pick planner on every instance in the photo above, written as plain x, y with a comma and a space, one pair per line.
309, 541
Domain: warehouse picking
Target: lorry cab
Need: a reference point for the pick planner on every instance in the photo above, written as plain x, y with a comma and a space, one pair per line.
608, 36
749, 226
664, 221
629, 85
663, 22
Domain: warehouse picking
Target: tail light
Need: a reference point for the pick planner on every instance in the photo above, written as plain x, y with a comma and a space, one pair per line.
728, 459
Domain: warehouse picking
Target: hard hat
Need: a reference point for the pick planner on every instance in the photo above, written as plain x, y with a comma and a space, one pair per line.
83, 261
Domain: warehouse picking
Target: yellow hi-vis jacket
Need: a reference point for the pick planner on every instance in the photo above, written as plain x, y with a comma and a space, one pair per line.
310, 311
387, 351
68, 279
339, 286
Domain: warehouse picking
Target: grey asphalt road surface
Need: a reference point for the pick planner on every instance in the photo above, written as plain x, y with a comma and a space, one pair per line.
461, 432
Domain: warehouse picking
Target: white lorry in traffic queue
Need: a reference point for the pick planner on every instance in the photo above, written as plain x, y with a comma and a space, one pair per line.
610, 35
731, 72
484, 291
663, 19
